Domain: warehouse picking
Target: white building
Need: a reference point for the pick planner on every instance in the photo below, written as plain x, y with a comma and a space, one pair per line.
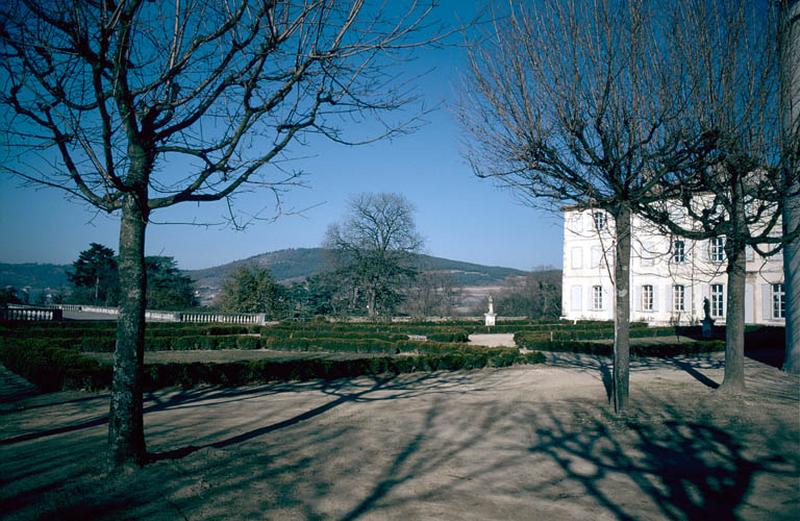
670, 276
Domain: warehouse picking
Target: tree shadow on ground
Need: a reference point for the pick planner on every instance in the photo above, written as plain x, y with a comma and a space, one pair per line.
418, 445
688, 468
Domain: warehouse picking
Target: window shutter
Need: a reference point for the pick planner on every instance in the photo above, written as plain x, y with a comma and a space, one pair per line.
766, 301
655, 298
575, 304
637, 298
607, 295
669, 305
589, 298
577, 223
688, 302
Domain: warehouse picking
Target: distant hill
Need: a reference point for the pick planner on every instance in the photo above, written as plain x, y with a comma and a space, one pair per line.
299, 263
35, 276
287, 266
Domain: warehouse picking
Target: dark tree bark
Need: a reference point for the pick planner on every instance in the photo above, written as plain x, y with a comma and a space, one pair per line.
126, 444
789, 68
733, 380
622, 297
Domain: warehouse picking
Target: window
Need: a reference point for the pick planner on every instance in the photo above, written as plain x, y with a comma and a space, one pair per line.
577, 258
717, 249
678, 297
647, 297
679, 254
597, 254
717, 300
597, 297
599, 220
647, 255
778, 301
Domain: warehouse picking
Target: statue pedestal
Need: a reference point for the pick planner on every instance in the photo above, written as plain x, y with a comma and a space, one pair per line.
708, 328
489, 319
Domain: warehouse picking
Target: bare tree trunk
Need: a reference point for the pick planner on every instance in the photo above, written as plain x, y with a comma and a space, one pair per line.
734, 320
126, 425
622, 312
789, 66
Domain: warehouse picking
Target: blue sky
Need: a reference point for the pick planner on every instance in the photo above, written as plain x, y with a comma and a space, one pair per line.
461, 217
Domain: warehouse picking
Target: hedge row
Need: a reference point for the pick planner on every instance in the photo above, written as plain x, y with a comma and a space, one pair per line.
54, 369
638, 349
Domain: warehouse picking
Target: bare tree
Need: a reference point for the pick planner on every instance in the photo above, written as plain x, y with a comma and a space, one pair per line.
566, 106
789, 73
725, 69
373, 248
135, 106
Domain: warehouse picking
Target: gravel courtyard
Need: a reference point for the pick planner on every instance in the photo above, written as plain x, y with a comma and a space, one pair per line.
532, 442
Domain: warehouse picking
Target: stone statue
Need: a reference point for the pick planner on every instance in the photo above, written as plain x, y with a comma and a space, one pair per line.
490, 317
708, 322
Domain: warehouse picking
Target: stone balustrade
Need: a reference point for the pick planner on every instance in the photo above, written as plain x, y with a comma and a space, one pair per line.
247, 319
29, 313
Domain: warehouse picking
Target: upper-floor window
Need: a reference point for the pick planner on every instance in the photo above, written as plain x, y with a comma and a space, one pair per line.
679, 297
599, 220
647, 297
597, 297
717, 300
577, 258
778, 301
679, 252
716, 250
597, 255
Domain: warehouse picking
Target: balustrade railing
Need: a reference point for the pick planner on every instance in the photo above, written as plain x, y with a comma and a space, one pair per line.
13, 312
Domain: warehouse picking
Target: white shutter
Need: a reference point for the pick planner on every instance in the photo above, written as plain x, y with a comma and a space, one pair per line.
766, 301
589, 297
575, 304
688, 300
607, 296
637, 298
669, 305
749, 318
577, 258
577, 223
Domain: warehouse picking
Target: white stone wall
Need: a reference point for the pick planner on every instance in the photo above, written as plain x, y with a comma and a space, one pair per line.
588, 263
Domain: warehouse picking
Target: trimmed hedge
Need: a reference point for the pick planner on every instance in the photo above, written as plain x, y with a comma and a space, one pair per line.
54, 369
639, 349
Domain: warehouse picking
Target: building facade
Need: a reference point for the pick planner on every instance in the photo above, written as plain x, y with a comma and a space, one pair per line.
670, 276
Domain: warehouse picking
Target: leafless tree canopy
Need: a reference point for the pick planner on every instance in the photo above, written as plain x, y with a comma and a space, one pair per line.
204, 93
568, 103
373, 248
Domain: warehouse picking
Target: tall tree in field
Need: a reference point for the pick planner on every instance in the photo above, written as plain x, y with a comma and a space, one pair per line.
565, 105
789, 72
134, 106
373, 248
251, 289
94, 276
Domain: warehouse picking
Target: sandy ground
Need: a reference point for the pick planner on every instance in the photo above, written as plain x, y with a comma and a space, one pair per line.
493, 340
533, 442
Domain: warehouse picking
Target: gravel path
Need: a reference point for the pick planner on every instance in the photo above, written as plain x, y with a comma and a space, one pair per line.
521, 443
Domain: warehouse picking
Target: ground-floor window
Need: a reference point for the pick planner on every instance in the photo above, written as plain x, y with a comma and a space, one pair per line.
717, 300
597, 297
647, 297
678, 297
778, 301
